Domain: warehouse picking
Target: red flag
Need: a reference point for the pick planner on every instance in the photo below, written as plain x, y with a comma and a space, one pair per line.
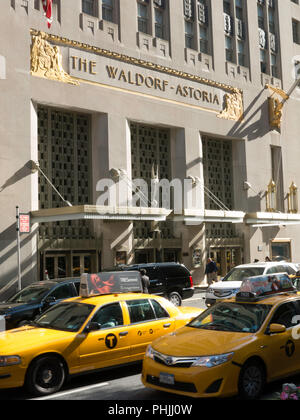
47, 6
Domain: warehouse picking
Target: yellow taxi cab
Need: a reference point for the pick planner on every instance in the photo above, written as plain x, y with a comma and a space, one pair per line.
234, 347
87, 333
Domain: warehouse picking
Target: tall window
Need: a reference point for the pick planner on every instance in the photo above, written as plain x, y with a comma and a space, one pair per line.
197, 25
89, 7
235, 32
160, 18
296, 31
143, 18
277, 176
189, 34
268, 37
108, 10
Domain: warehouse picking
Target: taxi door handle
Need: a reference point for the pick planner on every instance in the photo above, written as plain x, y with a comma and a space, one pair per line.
122, 334
167, 325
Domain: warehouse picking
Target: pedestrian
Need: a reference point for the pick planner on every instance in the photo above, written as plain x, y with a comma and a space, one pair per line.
211, 271
145, 280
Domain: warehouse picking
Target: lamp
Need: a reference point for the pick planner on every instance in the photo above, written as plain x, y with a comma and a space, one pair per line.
271, 196
293, 198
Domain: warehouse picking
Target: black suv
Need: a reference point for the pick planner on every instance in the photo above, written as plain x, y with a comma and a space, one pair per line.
172, 280
34, 299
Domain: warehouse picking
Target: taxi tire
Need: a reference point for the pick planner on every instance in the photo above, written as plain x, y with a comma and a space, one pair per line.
254, 371
175, 298
46, 375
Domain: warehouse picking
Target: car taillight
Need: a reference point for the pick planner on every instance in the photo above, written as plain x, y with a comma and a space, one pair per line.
191, 281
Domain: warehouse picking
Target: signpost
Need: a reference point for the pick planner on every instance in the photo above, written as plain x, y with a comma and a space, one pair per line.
23, 226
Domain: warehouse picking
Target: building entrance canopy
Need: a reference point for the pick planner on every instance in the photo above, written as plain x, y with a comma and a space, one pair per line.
189, 216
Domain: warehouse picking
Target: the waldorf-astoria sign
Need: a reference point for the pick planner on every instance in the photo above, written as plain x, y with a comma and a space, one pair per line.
88, 64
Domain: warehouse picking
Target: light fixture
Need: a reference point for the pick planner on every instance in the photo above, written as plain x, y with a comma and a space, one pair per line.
271, 197
293, 198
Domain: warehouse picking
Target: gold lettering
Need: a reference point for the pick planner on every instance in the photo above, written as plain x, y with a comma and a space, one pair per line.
123, 76
179, 90
112, 71
139, 79
157, 84
205, 96
92, 66
149, 82
74, 59
130, 79
82, 63
216, 100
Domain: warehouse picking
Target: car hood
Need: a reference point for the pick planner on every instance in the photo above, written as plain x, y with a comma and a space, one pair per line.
188, 341
20, 340
226, 285
188, 313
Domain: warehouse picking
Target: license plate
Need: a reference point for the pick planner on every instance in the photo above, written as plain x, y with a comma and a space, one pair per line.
166, 378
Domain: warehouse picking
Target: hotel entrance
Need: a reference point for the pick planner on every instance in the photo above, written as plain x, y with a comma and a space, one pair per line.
226, 258
59, 264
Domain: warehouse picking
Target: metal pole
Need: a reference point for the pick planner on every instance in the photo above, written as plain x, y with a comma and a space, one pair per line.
18, 247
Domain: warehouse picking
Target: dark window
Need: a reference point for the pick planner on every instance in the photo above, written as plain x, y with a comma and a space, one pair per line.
160, 312
63, 291
284, 315
175, 271
88, 7
140, 310
109, 316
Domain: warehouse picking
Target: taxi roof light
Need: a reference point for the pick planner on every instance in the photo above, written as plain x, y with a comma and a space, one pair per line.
113, 282
260, 287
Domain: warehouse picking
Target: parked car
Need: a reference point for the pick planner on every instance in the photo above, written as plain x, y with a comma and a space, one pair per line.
34, 299
231, 283
171, 280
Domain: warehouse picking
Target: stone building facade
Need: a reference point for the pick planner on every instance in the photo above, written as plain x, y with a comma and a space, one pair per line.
188, 90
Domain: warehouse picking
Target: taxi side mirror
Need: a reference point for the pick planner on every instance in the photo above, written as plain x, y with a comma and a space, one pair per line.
276, 329
92, 326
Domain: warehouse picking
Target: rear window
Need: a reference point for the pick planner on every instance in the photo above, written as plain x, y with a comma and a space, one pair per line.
175, 271
239, 274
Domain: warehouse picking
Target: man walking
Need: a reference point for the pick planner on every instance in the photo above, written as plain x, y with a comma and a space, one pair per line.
145, 281
211, 271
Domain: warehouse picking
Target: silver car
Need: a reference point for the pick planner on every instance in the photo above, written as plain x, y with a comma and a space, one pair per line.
231, 283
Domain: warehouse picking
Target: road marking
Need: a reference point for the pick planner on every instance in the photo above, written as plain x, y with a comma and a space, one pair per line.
72, 391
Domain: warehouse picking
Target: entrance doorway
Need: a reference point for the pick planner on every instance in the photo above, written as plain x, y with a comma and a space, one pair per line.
58, 264
143, 256
226, 258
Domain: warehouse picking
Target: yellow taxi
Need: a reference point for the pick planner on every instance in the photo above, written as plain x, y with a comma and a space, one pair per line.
234, 347
83, 334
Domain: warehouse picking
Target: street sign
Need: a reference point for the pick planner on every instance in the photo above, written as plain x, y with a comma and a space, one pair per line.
24, 223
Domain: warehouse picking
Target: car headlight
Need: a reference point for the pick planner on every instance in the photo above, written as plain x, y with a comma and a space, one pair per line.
9, 360
211, 361
150, 352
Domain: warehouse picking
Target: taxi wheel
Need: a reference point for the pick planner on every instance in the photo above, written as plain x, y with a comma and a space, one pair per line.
45, 376
252, 380
175, 298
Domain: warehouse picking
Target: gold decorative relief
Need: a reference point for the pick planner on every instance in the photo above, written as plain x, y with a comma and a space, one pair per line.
46, 60
234, 108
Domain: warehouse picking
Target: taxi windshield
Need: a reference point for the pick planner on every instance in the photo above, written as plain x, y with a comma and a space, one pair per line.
68, 316
232, 316
239, 273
